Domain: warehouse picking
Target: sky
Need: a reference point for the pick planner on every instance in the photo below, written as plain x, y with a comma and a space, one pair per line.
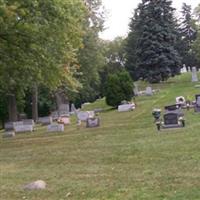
119, 13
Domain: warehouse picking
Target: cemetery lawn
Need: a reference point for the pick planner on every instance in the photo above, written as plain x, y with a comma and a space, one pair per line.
124, 159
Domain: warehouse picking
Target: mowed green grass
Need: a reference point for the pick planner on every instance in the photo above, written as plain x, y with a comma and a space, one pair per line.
124, 159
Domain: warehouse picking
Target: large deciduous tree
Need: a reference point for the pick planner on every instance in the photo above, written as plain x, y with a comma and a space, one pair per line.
38, 45
151, 53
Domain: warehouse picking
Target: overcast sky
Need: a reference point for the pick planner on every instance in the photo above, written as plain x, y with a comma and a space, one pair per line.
120, 12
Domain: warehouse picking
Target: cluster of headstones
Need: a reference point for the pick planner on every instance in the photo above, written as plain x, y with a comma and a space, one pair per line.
26, 125
55, 123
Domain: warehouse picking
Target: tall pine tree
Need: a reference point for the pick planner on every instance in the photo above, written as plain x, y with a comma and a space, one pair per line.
151, 53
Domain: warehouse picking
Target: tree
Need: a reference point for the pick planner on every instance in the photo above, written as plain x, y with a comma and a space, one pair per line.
151, 53
38, 45
90, 57
187, 35
196, 44
119, 87
114, 53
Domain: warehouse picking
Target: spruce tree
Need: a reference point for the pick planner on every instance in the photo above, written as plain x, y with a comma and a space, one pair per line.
188, 34
151, 53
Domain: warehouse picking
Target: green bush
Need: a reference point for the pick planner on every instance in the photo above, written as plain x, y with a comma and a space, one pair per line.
119, 87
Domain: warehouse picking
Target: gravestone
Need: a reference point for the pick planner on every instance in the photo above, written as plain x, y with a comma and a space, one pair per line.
28, 122
45, 120
64, 120
23, 128
8, 134
55, 128
194, 74
93, 122
84, 115
183, 69
126, 107
170, 119
18, 123
136, 90
73, 108
63, 110
8, 126
149, 91
197, 103
176, 108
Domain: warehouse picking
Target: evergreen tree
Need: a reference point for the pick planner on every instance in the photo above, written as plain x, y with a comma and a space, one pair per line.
151, 53
188, 33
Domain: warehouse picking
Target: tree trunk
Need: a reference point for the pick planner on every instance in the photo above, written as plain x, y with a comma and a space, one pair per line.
35, 103
12, 108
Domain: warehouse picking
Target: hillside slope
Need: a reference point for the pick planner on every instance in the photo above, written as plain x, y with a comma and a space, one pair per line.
126, 158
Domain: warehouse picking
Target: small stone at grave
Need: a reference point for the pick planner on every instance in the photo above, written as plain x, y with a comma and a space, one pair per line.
197, 86
8, 134
55, 128
36, 185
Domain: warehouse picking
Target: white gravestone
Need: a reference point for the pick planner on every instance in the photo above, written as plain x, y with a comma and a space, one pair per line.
126, 107
149, 91
93, 122
45, 120
23, 128
194, 74
84, 115
55, 128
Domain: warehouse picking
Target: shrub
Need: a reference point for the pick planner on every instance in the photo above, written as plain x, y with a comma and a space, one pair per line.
119, 87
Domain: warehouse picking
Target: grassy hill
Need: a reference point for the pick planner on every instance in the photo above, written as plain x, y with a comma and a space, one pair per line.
124, 159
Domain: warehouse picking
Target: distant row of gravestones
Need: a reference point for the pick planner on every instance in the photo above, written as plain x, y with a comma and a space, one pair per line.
55, 123
173, 116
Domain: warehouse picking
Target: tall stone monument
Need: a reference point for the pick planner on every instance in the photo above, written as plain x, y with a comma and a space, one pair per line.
194, 74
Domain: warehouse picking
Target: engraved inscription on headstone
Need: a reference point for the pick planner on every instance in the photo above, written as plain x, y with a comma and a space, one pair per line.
170, 119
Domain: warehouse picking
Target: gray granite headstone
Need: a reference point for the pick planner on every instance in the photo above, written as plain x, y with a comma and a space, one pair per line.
194, 74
